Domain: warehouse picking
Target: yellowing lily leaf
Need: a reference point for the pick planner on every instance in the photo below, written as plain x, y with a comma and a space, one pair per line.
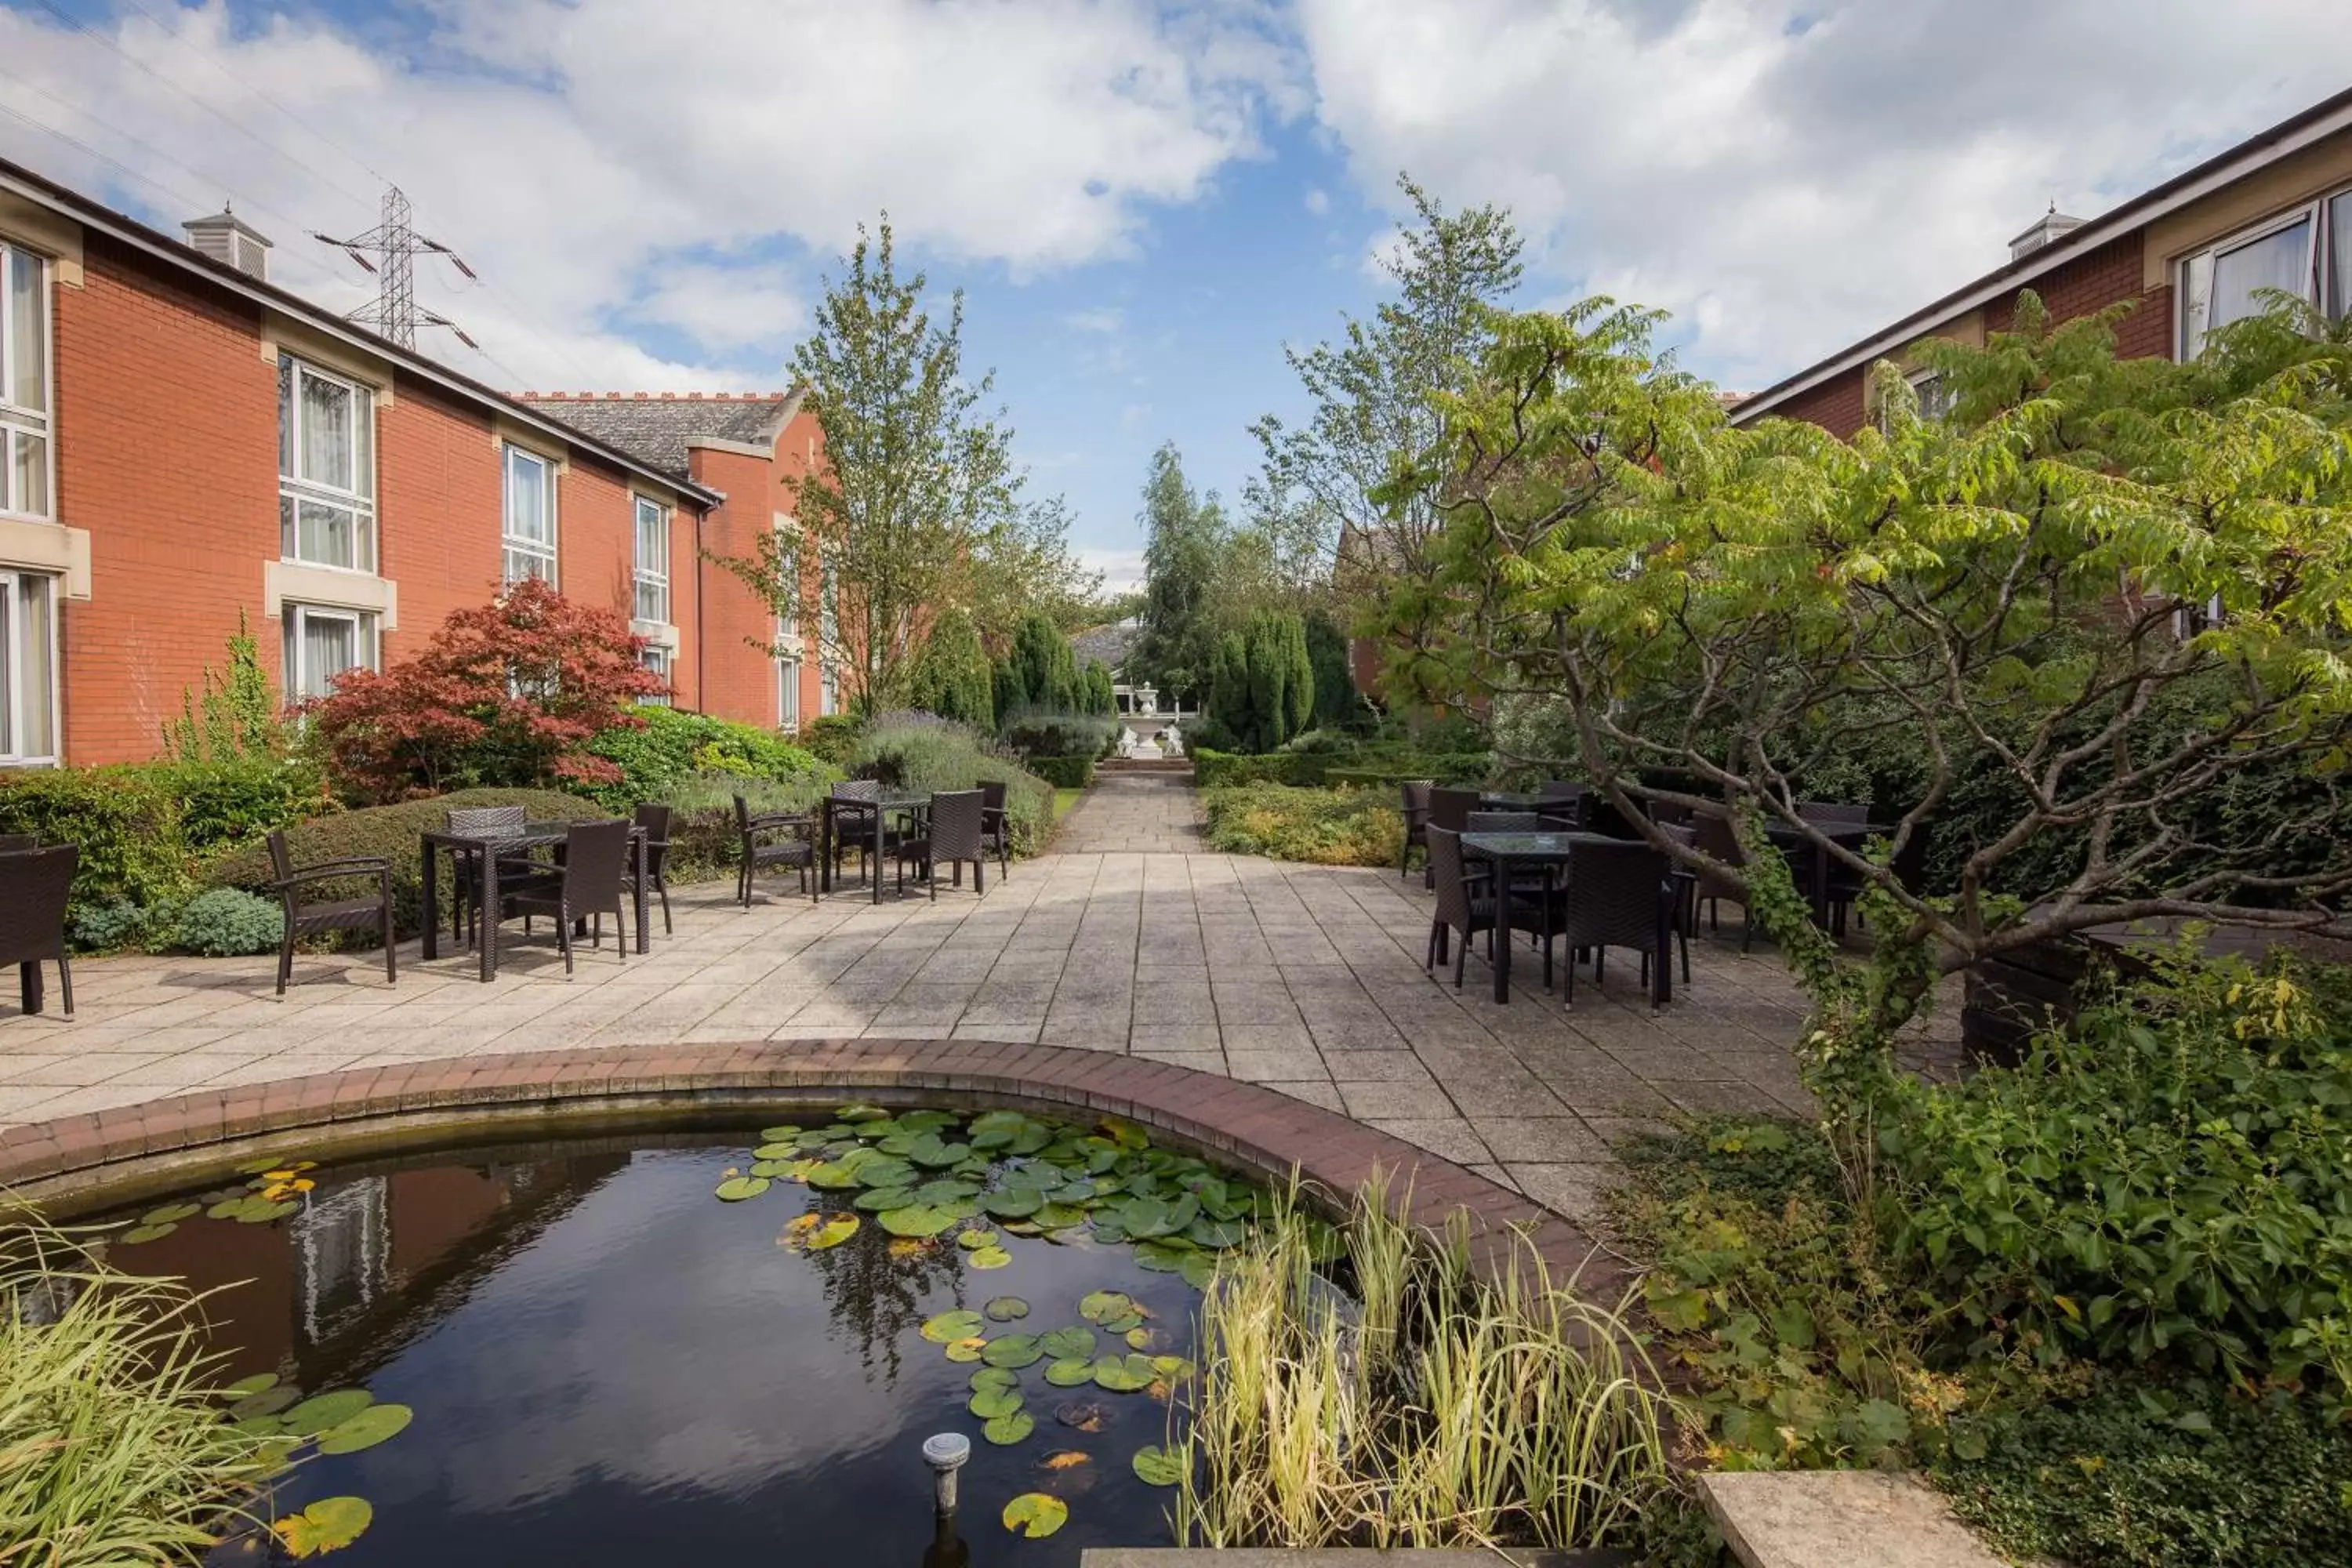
836, 1230
1035, 1515
948, 1327
967, 1350
908, 1247
325, 1525
1068, 1459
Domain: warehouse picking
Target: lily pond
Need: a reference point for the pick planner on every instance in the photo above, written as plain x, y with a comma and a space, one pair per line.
706, 1346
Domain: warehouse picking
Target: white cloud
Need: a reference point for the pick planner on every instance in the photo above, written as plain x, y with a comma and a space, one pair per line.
1122, 570
1318, 201
1105, 320
1786, 176
566, 148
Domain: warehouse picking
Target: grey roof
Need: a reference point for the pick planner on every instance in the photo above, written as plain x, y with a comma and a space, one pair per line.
655, 429
1108, 643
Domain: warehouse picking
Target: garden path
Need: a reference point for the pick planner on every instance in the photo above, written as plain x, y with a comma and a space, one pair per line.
1305, 978
1156, 813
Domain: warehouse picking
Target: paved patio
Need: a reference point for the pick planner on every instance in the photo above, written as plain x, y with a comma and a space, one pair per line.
1306, 979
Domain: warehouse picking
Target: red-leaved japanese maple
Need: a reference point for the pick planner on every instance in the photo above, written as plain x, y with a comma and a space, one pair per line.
506, 693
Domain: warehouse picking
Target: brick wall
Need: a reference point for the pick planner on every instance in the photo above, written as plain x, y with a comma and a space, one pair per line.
739, 679
1835, 404
2091, 282
437, 494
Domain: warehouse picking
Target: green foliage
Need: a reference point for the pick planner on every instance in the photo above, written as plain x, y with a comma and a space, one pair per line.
1336, 701
1048, 734
2162, 1478
1097, 693
1046, 669
1353, 765
1328, 827
112, 928
225, 804
230, 922
126, 819
238, 716
655, 758
921, 753
1262, 687
392, 832
831, 737
2173, 1179
1064, 772
1185, 540
951, 676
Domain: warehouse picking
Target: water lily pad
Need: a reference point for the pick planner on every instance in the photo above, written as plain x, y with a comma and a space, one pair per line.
735, 1189
255, 1167
967, 1349
170, 1213
1082, 1416
1006, 1430
988, 1403
244, 1386
1005, 1309
1171, 1368
1216, 1233
884, 1172
990, 1258
1197, 1270
268, 1402
1144, 1337
139, 1234
918, 1219
830, 1176
326, 1525
836, 1230
771, 1169
254, 1212
881, 1200
973, 1240
1119, 1325
1070, 1343
1070, 1371
950, 1326
783, 1134
1014, 1350
1123, 1374
860, 1110
1065, 1459
994, 1377
1013, 1203
366, 1429
1157, 1466
931, 1152
1159, 1257
1035, 1515
1060, 1216
945, 1192
321, 1411
927, 1120
260, 1426
1102, 1305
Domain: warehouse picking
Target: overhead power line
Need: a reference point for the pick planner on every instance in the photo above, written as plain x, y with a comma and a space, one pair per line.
389, 250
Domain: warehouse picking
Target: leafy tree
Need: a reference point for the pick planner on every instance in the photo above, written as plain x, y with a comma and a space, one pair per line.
507, 693
951, 676
1048, 670
1380, 393
238, 716
1231, 700
918, 482
2017, 592
1186, 536
1298, 675
1336, 701
1025, 563
1099, 697
1011, 694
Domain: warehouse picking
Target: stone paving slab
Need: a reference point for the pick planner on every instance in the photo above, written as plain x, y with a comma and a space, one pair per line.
1307, 980
1799, 1519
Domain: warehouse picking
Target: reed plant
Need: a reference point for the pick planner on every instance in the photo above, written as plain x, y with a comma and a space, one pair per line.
112, 1448
1424, 1405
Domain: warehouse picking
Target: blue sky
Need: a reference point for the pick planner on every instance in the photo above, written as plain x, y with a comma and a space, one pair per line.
1143, 199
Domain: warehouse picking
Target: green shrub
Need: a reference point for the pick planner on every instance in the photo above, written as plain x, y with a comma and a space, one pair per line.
2162, 1478
1223, 770
923, 752
1065, 773
673, 745
230, 922
113, 928
1328, 827
222, 804
1049, 734
833, 737
704, 841
2173, 1179
392, 832
126, 819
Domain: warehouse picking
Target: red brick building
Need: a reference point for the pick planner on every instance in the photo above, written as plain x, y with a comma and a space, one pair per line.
2275, 211
182, 442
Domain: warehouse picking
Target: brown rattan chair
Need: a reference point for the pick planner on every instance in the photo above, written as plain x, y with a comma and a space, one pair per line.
798, 851
1613, 900
953, 835
587, 885
1713, 835
317, 917
1466, 905
654, 819
855, 791
1565, 805
465, 908
34, 886
1415, 807
1448, 808
995, 825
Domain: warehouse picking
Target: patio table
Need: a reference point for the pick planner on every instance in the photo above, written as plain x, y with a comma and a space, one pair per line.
486, 848
1557, 852
873, 814
1789, 839
1514, 800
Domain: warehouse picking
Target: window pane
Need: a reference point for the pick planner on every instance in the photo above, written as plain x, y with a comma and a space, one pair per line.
26, 338
326, 433
8, 663
31, 489
2339, 252
2279, 260
527, 498
523, 564
286, 417
363, 443
330, 645
31, 732
326, 536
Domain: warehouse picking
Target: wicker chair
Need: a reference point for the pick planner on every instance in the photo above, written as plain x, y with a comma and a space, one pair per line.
798, 851
35, 884
656, 820
1449, 809
1843, 884
855, 791
954, 834
316, 918
464, 908
588, 884
1466, 905
1712, 833
1613, 893
1415, 805
995, 825
1565, 805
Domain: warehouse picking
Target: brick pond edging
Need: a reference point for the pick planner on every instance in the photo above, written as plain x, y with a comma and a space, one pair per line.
156, 1143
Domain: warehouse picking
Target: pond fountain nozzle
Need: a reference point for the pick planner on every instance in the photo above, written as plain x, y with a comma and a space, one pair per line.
946, 1454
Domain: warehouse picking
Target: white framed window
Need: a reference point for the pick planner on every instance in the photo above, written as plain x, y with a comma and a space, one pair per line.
788, 613
788, 695
326, 467
24, 383
829, 619
2305, 251
658, 661
28, 668
322, 644
1935, 397
652, 600
528, 532
828, 691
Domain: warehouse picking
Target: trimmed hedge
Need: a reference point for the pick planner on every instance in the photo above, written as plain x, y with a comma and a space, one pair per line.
1361, 765
393, 833
1065, 773
674, 746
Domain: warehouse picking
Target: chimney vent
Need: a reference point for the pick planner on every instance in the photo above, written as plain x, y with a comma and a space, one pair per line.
230, 240
2050, 226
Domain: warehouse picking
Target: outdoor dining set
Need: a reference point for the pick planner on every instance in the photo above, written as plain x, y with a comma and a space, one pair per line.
1540, 865
501, 866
